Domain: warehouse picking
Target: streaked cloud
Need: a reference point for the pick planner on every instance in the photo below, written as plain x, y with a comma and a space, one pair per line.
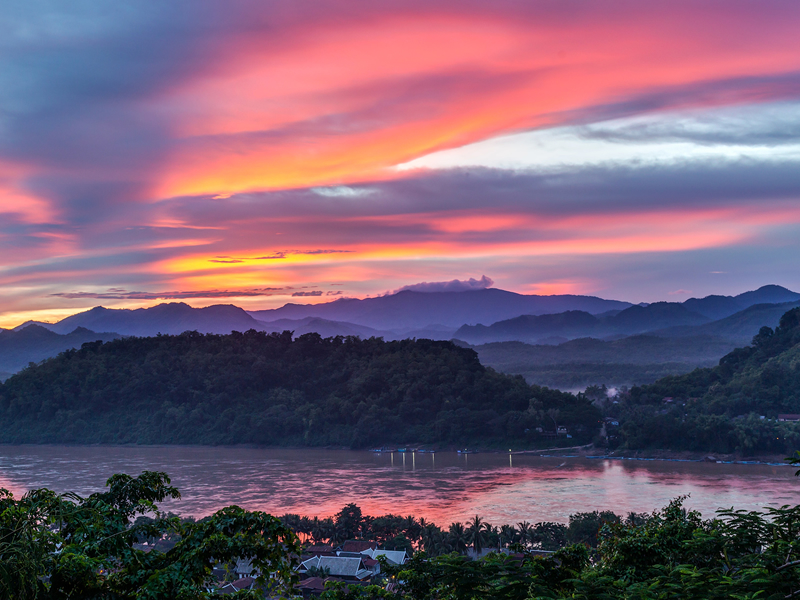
118, 294
622, 149
768, 132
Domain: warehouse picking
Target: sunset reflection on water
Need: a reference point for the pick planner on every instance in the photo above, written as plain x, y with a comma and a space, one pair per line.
441, 487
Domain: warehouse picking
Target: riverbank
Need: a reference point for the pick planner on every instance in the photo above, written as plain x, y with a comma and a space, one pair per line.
590, 452
587, 451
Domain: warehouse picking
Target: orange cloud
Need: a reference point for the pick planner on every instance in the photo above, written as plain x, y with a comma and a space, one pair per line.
16, 202
512, 235
340, 102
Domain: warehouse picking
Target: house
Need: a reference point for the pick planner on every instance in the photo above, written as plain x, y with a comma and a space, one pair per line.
244, 568
394, 557
373, 565
312, 586
319, 550
246, 583
789, 417
344, 567
358, 546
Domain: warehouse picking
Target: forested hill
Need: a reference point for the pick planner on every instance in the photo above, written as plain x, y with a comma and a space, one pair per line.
258, 388
721, 408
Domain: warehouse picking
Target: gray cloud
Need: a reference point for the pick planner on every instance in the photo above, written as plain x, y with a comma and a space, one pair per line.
305, 294
773, 124
456, 285
582, 190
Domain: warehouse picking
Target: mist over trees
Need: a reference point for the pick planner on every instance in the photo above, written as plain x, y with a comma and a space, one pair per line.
740, 406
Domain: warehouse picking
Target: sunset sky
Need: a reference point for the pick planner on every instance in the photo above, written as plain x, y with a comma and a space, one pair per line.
258, 153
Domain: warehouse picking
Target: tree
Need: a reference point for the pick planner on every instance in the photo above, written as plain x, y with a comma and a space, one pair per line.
350, 520
476, 534
457, 538
584, 528
554, 414
525, 533
507, 535
95, 536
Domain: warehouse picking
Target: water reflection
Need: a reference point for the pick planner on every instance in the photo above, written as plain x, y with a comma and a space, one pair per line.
449, 487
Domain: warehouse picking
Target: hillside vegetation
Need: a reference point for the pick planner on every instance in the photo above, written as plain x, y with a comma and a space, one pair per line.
731, 407
269, 389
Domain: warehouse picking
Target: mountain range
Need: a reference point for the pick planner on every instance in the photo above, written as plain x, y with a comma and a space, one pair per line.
706, 327
666, 319
410, 310
34, 343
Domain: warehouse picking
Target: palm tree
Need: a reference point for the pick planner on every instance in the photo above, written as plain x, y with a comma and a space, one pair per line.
506, 535
423, 525
304, 527
317, 530
457, 538
328, 530
476, 534
412, 527
431, 538
525, 532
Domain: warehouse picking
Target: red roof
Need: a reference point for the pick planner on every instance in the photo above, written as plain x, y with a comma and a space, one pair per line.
312, 583
359, 546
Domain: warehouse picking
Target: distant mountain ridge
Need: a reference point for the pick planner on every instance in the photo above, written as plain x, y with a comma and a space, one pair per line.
741, 326
662, 318
35, 343
414, 310
577, 324
167, 318
719, 307
413, 314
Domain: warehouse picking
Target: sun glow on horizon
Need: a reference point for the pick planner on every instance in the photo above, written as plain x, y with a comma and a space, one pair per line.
258, 146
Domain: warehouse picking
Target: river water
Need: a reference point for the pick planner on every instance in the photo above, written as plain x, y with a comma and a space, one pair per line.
442, 487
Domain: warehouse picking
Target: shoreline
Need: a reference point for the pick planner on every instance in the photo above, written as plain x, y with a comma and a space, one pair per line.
587, 451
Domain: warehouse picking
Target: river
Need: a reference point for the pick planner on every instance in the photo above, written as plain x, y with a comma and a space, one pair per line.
442, 487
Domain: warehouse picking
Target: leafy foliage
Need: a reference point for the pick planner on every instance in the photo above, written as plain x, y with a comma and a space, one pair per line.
66, 546
732, 407
272, 390
671, 554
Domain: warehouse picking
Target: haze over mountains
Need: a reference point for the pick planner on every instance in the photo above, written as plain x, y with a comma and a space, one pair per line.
408, 310
703, 329
664, 318
35, 343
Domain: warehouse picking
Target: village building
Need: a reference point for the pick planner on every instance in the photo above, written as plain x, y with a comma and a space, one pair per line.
789, 417
394, 557
342, 567
358, 546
